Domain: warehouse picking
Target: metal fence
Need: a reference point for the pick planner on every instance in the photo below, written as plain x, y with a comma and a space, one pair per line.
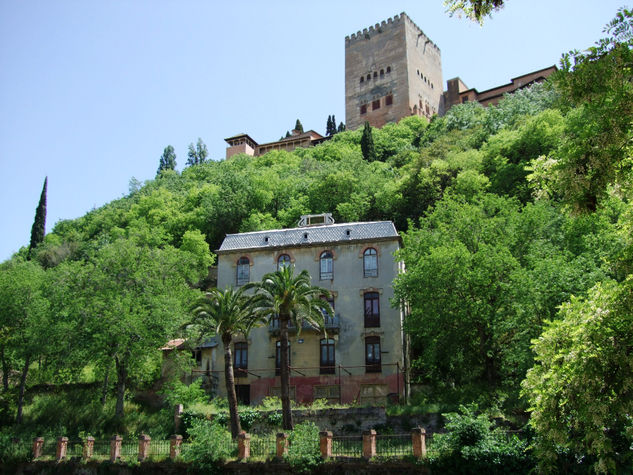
264, 447
396, 445
347, 446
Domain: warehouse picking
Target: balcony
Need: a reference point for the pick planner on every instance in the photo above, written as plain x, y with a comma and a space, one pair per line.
332, 325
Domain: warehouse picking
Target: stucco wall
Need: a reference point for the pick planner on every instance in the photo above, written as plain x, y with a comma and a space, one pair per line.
348, 286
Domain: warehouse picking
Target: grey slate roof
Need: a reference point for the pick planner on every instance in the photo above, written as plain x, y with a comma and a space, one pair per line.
305, 236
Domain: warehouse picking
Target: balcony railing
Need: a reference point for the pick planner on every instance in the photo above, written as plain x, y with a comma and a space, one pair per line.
331, 324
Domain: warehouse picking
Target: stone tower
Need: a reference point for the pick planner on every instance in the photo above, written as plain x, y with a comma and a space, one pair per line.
392, 70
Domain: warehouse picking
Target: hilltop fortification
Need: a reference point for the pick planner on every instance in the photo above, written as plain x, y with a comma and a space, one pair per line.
392, 70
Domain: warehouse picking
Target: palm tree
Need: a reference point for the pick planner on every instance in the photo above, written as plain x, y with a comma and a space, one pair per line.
225, 313
293, 299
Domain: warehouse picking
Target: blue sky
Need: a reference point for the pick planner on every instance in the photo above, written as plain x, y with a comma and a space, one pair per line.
92, 91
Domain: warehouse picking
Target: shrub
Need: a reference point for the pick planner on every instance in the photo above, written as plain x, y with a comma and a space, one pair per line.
472, 445
177, 392
304, 454
209, 445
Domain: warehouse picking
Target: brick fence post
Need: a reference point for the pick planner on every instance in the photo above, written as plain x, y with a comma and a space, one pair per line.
325, 443
38, 445
418, 439
62, 447
115, 448
282, 444
175, 442
143, 446
369, 443
89, 447
243, 445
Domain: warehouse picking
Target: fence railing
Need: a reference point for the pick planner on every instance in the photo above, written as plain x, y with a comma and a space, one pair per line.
369, 444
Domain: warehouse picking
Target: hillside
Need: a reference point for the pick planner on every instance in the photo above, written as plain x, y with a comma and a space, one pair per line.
516, 221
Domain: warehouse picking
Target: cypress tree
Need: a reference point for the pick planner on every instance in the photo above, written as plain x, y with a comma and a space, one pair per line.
328, 127
341, 127
298, 126
367, 144
39, 224
333, 125
167, 160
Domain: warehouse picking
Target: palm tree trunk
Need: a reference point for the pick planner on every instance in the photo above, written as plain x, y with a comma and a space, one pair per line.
230, 386
25, 371
285, 374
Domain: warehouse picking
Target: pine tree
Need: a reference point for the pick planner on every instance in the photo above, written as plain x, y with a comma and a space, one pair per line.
167, 160
198, 154
367, 144
39, 224
287, 134
341, 127
298, 126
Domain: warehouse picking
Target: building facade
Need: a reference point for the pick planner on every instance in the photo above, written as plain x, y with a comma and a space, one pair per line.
392, 70
243, 143
362, 357
458, 93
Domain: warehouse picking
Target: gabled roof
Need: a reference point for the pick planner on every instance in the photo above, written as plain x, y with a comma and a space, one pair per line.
310, 235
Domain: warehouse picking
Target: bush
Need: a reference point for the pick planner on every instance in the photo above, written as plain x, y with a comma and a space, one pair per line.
472, 445
304, 454
209, 445
177, 392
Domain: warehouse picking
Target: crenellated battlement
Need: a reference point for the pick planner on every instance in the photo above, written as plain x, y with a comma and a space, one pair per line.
378, 28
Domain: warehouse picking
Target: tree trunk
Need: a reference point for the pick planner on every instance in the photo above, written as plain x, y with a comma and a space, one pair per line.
5, 371
230, 387
104, 388
25, 371
285, 374
121, 374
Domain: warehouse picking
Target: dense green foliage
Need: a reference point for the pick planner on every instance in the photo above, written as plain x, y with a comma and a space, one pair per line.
304, 454
472, 444
517, 224
209, 445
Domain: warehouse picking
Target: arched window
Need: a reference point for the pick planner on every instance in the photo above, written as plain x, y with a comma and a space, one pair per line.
326, 270
372, 309
243, 271
278, 356
382, 72
375, 74
327, 361
388, 69
283, 261
368, 77
372, 354
362, 79
370, 262
240, 358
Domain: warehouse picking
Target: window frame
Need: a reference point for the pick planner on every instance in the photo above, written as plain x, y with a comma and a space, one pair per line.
278, 357
327, 365
375, 105
288, 261
325, 257
243, 271
240, 367
371, 313
373, 355
367, 255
